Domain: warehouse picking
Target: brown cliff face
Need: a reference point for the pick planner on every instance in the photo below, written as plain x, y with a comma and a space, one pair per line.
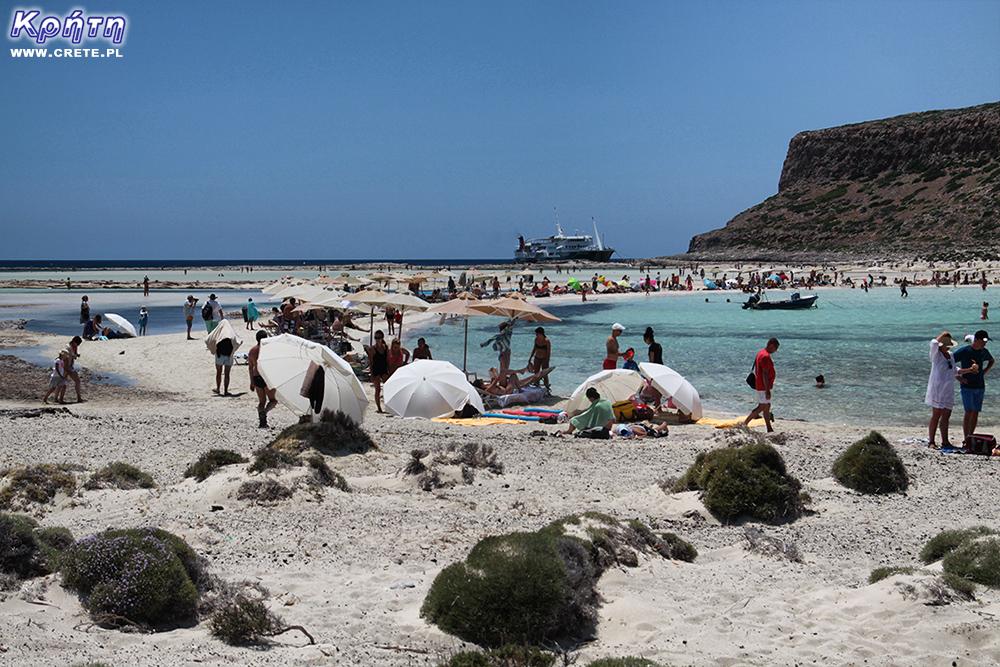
924, 184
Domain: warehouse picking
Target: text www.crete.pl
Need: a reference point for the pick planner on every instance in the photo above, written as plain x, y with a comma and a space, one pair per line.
65, 53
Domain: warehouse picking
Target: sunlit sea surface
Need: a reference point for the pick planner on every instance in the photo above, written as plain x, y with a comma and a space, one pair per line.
871, 347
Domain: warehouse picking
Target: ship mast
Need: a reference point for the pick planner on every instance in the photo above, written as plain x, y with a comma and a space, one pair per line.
558, 226
600, 246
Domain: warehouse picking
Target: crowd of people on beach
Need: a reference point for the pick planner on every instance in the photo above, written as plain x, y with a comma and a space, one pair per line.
966, 366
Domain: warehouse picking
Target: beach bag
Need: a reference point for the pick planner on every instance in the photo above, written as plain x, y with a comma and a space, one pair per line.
246, 317
752, 377
624, 411
980, 444
206, 312
550, 419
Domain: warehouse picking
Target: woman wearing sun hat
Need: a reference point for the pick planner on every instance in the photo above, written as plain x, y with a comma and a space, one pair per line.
941, 387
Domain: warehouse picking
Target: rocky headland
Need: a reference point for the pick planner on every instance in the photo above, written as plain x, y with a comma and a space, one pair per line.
923, 185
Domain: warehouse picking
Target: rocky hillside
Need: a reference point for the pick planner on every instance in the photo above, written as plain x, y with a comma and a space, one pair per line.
924, 185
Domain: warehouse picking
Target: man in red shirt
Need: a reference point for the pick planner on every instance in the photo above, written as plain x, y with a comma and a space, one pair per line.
764, 370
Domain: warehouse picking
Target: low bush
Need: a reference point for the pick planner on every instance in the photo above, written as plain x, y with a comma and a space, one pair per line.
243, 621
211, 461
26, 550
871, 465
678, 548
36, 484
976, 559
324, 476
335, 433
510, 589
120, 475
948, 540
269, 459
506, 656
263, 491
880, 573
143, 576
750, 480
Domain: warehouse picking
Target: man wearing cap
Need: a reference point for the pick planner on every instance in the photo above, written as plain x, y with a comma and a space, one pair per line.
973, 384
764, 371
611, 361
217, 315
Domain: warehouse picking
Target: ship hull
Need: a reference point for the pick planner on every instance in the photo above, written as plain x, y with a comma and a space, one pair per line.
585, 255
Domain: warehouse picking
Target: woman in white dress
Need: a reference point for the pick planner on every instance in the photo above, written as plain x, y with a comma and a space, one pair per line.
941, 387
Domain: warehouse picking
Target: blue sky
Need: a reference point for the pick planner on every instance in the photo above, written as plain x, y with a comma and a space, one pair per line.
326, 130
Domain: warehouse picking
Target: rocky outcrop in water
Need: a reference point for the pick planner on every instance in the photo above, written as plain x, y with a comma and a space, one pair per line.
923, 184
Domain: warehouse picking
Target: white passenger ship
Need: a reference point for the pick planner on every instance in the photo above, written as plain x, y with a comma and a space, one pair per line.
562, 247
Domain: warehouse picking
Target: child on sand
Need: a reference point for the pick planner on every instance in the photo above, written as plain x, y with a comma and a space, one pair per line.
57, 383
143, 319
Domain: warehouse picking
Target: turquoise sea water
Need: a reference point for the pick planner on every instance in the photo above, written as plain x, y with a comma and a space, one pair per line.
872, 347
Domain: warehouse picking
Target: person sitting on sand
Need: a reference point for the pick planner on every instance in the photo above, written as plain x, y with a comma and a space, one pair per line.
600, 414
92, 329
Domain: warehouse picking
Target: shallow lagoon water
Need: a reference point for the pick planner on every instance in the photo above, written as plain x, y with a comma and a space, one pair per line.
872, 347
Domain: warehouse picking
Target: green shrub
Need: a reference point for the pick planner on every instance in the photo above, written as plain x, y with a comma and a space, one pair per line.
749, 480
269, 459
880, 573
335, 433
976, 559
960, 585
211, 461
948, 540
243, 621
506, 656
629, 661
871, 465
145, 576
27, 550
678, 548
37, 484
510, 589
120, 475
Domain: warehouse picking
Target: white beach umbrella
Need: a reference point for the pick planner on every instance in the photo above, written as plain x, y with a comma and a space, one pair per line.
615, 385
429, 388
120, 322
671, 383
308, 377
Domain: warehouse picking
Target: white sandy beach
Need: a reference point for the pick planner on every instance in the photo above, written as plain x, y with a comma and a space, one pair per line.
330, 561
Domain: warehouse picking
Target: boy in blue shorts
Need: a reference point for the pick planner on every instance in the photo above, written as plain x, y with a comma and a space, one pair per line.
973, 384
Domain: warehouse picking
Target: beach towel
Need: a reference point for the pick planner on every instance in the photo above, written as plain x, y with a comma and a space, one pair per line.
478, 421
728, 423
525, 396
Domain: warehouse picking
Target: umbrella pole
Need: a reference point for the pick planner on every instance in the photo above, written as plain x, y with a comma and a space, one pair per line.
465, 351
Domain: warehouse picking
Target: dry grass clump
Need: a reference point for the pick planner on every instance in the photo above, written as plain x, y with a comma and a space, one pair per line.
948, 540
27, 550
451, 465
871, 465
323, 475
771, 546
263, 491
335, 434
211, 461
267, 458
36, 484
119, 475
749, 480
